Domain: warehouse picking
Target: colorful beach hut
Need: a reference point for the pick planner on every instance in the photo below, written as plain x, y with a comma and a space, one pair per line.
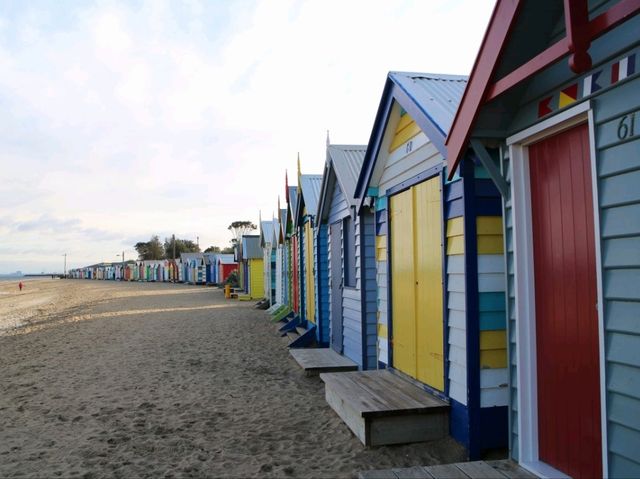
440, 271
268, 246
552, 114
291, 240
251, 264
304, 224
226, 265
211, 267
345, 261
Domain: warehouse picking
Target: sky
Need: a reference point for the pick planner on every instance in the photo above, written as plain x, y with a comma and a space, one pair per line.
126, 119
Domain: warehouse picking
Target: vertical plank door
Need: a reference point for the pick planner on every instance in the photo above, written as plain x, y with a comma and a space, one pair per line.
567, 342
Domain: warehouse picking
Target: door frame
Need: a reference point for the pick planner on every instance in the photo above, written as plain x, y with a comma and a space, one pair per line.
524, 283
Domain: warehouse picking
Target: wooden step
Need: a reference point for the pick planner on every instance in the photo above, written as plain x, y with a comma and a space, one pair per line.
292, 335
501, 469
321, 360
300, 330
381, 408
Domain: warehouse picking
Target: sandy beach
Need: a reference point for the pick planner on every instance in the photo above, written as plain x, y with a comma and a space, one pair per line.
105, 379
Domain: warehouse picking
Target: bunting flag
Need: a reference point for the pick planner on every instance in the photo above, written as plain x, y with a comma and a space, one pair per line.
568, 96
591, 84
544, 106
622, 69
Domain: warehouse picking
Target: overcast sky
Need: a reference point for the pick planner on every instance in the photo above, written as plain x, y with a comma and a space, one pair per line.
123, 119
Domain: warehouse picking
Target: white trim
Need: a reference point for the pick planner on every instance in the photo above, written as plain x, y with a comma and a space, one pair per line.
524, 283
600, 295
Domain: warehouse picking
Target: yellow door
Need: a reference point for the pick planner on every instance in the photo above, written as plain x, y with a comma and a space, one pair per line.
310, 277
403, 283
417, 289
429, 297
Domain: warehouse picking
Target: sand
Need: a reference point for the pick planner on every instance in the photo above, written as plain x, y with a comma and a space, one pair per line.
109, 379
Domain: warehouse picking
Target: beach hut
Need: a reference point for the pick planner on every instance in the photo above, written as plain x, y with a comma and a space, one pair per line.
438, 260
291, 239
269, 258
280, 283
304, 224
193, 266
226, 265
211, 268
345, 261
251, 266
552, 115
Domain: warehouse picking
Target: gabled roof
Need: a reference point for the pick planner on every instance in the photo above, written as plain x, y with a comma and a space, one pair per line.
251, 247
190, 256
512, 52
210, 258
309, 195
226, 258
293, 203
266, 232
430, 99
343, 164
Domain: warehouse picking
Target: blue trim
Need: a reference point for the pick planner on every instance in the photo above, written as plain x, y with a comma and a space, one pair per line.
363, 313
372, 191
471, 306
453, 191
459, 422
373, 146
494, 424
414, 180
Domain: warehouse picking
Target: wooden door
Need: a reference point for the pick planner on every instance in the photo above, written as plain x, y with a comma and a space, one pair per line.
416, 283
336, 287
567, 342
403, 291
429, 297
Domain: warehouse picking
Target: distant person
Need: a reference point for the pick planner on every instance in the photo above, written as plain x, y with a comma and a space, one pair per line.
20, 285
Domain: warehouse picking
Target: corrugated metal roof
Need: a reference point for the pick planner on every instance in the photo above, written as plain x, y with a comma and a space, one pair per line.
347, 164
266, 232
226, 258
210, 258
437, 95
310, 186
251, 247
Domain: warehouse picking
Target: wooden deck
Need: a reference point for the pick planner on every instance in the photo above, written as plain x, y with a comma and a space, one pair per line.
322, 360
381, 408
504, 469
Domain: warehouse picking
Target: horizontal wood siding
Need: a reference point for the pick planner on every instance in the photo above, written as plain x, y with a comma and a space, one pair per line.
382, 300
368, 288
456, 298
339, 208
400, 167
618, 167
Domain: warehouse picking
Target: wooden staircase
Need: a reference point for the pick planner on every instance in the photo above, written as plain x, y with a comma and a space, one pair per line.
296, 333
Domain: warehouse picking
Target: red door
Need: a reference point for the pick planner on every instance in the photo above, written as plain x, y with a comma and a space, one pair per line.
566, 300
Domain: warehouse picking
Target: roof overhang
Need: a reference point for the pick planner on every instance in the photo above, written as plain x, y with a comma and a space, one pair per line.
483, 88
394, 90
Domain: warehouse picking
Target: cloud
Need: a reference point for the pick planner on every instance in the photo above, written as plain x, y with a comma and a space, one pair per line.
121, 119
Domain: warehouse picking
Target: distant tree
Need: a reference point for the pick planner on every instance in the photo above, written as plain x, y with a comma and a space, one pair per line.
212, 249
150, 250
228, 250
182, 246
239, 229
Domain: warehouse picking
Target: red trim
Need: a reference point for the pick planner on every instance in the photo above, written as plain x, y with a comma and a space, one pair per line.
479, 91
576, 19
533, 66
500, 25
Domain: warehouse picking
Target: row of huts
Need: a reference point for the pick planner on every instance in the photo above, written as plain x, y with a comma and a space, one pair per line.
485, 243
193, 268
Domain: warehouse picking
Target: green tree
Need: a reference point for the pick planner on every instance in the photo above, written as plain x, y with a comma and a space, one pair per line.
239, 229
181, 246
212, 249
150, 250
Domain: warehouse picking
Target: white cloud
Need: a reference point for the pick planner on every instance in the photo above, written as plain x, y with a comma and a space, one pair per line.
137, 119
